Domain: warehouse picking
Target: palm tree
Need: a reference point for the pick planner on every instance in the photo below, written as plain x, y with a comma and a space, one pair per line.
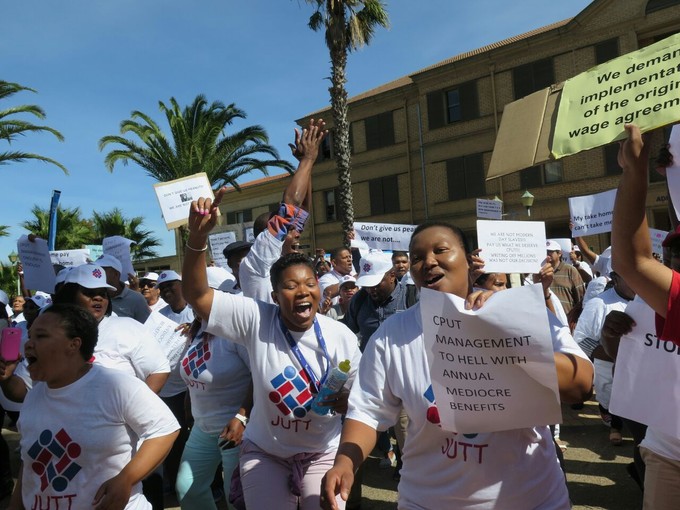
8, 279
73, 231
113, 223
197, 143
349, 25
4, 230
11, 128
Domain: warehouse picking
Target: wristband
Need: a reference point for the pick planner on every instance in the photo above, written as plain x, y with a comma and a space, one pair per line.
242, 419
196, 249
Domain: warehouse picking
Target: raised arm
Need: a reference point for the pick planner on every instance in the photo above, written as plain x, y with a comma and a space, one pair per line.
306, 150
202, 219
633, 258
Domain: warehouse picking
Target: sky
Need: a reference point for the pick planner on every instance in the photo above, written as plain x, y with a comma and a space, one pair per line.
93, 62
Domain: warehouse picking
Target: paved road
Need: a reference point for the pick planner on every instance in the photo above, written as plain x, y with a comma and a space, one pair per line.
596, 473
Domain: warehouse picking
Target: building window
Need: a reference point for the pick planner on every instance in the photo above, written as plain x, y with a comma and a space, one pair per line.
657, 5
379, 131
332, 202
611, 159
240, 216
606, 50
384, 195
529, 78
537, 176
452, 105
465, 177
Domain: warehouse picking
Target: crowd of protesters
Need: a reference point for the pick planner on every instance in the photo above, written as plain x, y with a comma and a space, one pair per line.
110, 417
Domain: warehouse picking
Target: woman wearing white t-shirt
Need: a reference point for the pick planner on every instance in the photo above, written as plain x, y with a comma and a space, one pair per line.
123, 342
89, 434
291, 349
509, 469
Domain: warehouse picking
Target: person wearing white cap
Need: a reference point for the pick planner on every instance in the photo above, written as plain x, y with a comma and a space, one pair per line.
583, 267
380, 296
567, 283
123, 342
148, 289
348, 287
125, 302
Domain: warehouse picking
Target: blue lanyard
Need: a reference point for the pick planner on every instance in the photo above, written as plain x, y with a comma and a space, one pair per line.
314, 380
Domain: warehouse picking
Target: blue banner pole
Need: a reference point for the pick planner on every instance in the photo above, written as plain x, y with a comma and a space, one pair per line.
52, 232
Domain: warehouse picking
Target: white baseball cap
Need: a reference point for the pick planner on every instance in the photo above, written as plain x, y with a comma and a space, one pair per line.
347, 279
151, 276
61, 275
107, 260
551, 245
373, 267
41, 299
168, 276
217, 276
90, 276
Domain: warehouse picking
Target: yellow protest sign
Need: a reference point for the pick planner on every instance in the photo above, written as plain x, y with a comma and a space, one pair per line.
642, 87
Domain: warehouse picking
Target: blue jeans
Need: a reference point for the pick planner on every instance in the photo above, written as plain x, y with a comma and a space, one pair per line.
197, 470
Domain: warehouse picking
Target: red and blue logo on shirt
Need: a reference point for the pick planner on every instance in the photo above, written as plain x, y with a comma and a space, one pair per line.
53, 456
291, 392
194, 363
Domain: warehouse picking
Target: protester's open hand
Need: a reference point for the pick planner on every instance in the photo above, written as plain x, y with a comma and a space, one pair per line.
133, 282
113, 494
338, 480
633, 152
307, 142
185, 329
477, 298
203, 214
476, 264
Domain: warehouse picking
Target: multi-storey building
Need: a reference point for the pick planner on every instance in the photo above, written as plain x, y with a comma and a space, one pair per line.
422, 143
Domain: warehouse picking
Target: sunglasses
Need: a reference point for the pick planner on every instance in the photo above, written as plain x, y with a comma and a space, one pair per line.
91, 293
146, 283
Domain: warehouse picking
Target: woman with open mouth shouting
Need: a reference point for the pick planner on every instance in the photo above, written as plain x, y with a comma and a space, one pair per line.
292, 349
443, 469
89, 434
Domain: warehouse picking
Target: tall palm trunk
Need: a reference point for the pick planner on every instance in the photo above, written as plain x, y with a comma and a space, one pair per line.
341, 145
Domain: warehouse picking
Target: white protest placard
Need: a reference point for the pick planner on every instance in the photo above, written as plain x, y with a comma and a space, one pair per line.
511, 246
565, 244
174, 197
673, 171
489, 209
657, 237
384, 236
647, 374
70, 258
119, 247
37, 263
218, 242
592, 214
172, 342
249, 234
96, 250
491, 371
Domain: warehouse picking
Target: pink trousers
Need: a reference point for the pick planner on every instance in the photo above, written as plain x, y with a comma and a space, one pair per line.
267, 480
